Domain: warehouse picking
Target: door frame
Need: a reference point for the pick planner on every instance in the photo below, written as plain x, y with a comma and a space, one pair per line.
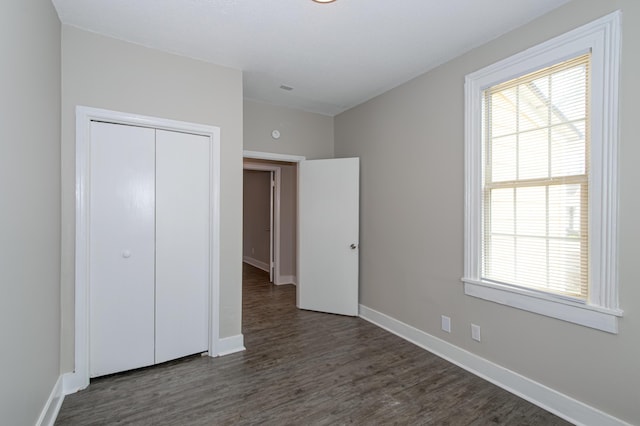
79, 378
272, 156
269, 156
274, 237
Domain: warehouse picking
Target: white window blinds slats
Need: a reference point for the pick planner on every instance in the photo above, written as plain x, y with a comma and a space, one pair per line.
536, 161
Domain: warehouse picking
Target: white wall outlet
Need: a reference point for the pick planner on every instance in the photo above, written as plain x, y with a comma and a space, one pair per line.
446, 324
475, 332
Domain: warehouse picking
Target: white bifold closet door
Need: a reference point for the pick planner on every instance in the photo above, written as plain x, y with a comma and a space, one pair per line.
122, 248
182, 244
149, 246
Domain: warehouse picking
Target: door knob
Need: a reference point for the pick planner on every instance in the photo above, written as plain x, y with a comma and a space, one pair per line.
126, 254
353, 246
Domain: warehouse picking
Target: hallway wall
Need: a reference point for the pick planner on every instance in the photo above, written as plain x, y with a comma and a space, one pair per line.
256, 208
301, 133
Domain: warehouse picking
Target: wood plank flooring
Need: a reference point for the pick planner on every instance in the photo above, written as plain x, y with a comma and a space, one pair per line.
301, 368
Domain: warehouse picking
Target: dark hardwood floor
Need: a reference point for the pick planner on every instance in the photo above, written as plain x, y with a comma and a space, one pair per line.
301, 368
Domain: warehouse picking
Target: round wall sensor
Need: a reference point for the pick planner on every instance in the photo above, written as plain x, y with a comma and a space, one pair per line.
275, 134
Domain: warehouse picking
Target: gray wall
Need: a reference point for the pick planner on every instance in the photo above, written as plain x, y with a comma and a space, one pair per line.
411, 144
29, 208
302, 133
106, 73
256, 215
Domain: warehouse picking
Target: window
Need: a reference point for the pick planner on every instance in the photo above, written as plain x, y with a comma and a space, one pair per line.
535, 188
541, 193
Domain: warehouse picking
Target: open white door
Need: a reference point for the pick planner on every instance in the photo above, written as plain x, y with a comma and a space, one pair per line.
328, 222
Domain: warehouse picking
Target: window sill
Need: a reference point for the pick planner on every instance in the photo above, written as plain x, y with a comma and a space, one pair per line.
566, 310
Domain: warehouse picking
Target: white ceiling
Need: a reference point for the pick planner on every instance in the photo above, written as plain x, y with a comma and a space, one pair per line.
334, 55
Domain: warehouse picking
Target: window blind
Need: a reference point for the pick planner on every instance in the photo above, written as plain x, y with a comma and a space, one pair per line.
535, 180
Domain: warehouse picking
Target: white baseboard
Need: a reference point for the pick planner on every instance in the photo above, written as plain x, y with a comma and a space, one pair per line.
257, 263
230, 345
52, 407
286, 279
549, 399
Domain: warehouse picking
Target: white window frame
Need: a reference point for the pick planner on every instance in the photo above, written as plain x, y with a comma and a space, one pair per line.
601, 310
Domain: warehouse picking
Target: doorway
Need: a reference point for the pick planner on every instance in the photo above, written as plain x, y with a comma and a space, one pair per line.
327, 228
258, 220
270, 218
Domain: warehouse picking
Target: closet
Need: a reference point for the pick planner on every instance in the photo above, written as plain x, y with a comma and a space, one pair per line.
149, 250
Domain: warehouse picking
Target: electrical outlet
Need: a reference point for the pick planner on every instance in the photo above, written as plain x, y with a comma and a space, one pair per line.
446, 324
475, 332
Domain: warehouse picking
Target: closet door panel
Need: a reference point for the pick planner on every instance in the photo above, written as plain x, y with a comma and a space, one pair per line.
121, 268
182, 244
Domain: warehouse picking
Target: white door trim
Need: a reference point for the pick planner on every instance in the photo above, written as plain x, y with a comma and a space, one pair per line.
275, 231
79, 379
258, 155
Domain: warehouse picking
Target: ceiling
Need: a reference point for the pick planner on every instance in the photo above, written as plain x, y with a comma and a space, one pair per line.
334, 56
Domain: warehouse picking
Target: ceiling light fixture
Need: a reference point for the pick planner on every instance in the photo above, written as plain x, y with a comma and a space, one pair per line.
324, 1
